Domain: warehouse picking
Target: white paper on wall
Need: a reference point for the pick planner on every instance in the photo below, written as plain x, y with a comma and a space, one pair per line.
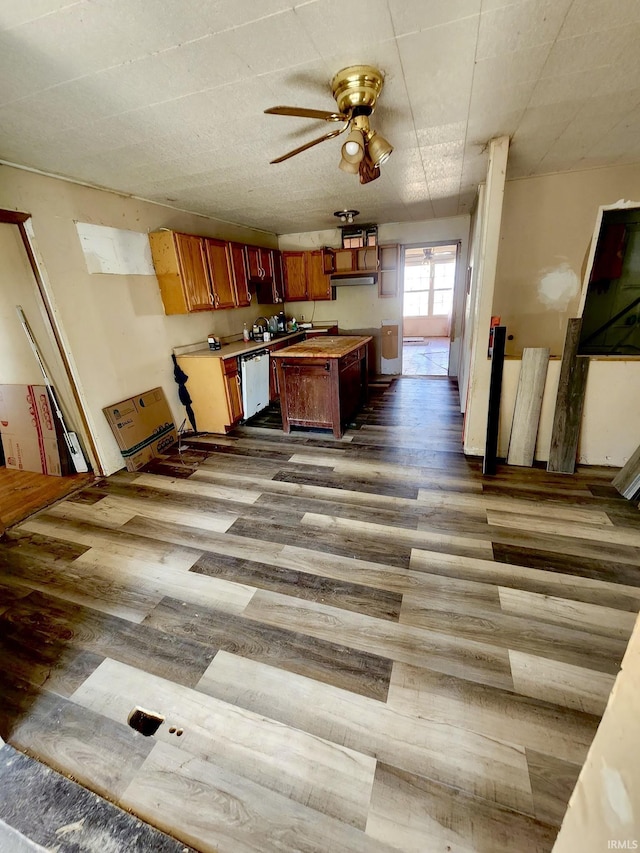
115, 251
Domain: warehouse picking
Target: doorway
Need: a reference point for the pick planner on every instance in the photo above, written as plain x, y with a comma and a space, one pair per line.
23, 491
429, 278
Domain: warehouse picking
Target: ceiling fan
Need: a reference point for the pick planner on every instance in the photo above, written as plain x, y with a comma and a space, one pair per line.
356, 90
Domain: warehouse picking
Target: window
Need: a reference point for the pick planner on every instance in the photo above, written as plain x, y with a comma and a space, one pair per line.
429, 275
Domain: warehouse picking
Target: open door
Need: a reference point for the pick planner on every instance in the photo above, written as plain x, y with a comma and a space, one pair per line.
429, 279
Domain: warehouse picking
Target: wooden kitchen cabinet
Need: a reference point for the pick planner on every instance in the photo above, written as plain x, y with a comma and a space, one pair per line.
259, 263
214, 386
350, 261
389, 274
240, 276
318, 284
295, 276
181, 267
264, 270
220, 276
304, 276
233, 392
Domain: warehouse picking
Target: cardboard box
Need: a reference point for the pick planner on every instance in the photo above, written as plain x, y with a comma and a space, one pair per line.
143, 427
30, 430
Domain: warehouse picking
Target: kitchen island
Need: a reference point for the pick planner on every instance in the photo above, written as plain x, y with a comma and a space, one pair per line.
322, 381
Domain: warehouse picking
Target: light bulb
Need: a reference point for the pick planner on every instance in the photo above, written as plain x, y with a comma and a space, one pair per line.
351, 147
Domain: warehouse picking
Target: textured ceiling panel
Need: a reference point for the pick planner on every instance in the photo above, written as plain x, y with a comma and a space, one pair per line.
164, 98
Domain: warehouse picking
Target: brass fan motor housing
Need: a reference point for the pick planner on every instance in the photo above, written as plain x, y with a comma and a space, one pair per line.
357, 86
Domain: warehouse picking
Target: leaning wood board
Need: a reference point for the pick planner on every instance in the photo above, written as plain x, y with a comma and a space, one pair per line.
627, 481
526, 415
569, 402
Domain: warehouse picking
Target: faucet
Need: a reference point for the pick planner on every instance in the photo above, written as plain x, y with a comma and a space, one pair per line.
266, 323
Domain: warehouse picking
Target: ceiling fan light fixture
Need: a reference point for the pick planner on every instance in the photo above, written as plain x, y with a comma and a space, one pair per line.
349, 167
353, 147
379, 149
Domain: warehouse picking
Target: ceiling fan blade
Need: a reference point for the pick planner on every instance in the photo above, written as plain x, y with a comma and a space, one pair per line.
368, 170
313, 142
303, 113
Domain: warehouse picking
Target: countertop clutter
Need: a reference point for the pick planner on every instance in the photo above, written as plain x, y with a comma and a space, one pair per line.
240, 348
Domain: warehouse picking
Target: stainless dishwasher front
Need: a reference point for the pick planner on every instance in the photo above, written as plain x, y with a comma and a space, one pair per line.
254, 373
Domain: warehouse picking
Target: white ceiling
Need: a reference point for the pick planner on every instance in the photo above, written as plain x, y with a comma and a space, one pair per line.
164, 99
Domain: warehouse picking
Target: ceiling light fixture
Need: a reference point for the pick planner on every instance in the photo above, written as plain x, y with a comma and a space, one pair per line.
346, 215
353, 148
349, 167
378, 147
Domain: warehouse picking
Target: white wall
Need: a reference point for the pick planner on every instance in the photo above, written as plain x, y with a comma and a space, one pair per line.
118, 336
546, 231
359, 308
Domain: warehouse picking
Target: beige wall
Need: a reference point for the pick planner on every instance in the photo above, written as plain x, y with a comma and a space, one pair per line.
547, 225
17, 287
359, 308
604, 809
118, 336
609, 434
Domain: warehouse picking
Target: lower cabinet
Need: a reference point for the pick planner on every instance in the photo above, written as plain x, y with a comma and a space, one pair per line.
322, 391
274, 388
214, 387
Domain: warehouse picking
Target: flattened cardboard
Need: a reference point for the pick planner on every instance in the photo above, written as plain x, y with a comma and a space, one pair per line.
143, 427
29, 430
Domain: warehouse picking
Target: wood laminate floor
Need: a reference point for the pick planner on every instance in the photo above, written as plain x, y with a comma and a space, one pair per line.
355, 645
25, 492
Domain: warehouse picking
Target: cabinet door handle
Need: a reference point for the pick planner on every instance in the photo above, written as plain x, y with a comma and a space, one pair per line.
250, 295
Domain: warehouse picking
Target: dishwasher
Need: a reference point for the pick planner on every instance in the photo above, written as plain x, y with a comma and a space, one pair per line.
254, 373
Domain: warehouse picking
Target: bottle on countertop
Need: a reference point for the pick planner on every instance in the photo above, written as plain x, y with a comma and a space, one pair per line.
245, 334
282, 322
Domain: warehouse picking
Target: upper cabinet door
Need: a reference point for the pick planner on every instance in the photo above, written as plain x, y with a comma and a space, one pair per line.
260, 263
240, 278
318, 284
295, 276
217, 254
193, 272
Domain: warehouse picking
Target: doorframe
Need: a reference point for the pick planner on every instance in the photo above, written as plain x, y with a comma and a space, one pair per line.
25, 228
457, 242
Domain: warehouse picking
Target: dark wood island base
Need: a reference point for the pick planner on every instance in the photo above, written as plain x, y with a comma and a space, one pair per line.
323, 381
